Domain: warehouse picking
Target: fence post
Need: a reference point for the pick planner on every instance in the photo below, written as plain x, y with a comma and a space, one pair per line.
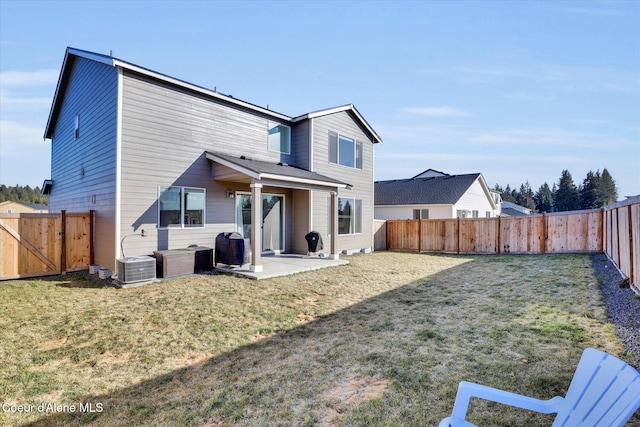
499, 242
63, 242
630, 221
459, 237
92, 214
545, 232
419, 235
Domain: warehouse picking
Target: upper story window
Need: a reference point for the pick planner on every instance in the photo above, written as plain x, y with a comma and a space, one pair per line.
345, 151
279, 138
76, 127
181, 207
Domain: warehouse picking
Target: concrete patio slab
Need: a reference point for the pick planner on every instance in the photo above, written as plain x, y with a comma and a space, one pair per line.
282, 265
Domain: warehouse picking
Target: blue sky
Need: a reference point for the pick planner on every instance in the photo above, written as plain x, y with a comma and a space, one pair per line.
516, 90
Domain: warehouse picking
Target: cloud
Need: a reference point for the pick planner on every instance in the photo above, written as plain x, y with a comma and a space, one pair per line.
28, 78
17, 137
436, 111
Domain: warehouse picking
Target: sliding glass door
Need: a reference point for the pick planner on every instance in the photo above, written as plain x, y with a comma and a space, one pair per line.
272, 220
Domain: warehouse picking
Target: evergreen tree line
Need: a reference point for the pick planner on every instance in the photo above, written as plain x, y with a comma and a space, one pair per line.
22, 194
596, 190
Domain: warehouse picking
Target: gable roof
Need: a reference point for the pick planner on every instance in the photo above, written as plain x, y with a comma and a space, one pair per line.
437, 190
261, 170
72, 54
349, 107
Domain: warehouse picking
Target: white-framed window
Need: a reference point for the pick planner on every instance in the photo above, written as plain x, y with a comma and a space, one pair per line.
461, 213
279, 138
181, 207
421, 214
475, 214
76, 127
488, 214
349, 216
345, 151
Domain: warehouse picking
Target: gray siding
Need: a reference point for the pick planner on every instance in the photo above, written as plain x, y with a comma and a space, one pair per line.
86, 167
300, 142
165, 133
361, 180
301, 205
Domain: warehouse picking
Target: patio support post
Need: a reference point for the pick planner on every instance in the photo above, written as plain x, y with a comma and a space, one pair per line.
333, 226
256, 226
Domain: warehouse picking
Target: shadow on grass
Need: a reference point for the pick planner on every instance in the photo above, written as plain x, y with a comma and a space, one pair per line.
414, 343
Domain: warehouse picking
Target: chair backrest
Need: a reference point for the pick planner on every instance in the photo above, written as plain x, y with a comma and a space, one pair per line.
605, 391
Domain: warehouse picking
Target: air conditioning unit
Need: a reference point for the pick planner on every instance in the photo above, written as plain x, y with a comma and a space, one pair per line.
136, 269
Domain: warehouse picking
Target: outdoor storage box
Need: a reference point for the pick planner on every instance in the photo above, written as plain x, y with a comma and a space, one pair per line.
203, 257
174, 262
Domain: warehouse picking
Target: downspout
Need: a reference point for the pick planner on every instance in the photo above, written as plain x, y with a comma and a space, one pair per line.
118, 207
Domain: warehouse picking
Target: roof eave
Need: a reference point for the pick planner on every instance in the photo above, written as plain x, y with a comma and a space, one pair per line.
348, 107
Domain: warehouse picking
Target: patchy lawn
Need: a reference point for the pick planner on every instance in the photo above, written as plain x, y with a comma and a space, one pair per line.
381, 341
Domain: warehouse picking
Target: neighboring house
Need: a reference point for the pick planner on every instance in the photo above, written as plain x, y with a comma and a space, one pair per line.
16, 207
433, 195
183, 163
511, 209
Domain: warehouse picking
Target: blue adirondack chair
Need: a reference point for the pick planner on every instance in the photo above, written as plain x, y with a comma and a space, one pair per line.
604, 392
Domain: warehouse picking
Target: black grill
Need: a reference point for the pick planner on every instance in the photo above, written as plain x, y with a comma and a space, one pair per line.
229, 249
314, 241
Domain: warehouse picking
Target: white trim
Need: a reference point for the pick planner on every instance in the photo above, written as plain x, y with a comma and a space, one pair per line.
98, 57
182, 208
284, 217
311, 145
269, 127
348, 107
266, 176
118, 218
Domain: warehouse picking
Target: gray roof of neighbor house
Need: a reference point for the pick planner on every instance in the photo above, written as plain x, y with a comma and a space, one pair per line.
72, 54
438, 190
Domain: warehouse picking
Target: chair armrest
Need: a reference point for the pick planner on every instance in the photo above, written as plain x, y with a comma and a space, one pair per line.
455, 422
467, 390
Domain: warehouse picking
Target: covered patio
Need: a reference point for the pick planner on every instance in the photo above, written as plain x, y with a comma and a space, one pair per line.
258, 174
282, 265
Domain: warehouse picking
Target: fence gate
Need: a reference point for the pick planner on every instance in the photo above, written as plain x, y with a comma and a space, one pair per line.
34, 245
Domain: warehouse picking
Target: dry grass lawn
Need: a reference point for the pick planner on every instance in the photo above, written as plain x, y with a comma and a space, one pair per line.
382, 341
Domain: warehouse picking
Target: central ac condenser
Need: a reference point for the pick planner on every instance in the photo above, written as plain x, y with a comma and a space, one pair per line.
136, 269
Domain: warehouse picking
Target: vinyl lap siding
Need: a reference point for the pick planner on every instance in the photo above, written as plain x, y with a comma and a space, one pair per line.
475, 199
165, 133
361, 180
91, 94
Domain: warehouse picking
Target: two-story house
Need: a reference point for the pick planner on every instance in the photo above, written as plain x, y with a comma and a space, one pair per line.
166, 164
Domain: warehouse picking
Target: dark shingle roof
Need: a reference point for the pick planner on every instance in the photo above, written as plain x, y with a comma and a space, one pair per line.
423, 191
280, 169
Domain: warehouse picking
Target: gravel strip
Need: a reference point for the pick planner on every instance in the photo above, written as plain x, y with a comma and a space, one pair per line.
622, 303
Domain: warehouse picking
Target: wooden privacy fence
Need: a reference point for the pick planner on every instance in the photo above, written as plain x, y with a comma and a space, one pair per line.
579, 231
34, 245
622, 237
614, 230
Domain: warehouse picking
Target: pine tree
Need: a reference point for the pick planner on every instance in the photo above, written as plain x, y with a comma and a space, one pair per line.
525, 196
544, 199
588, 192
567, 197
607, 191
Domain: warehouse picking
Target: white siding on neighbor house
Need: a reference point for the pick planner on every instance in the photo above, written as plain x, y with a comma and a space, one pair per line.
361, 180
475, 198
84, 169
406, 211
